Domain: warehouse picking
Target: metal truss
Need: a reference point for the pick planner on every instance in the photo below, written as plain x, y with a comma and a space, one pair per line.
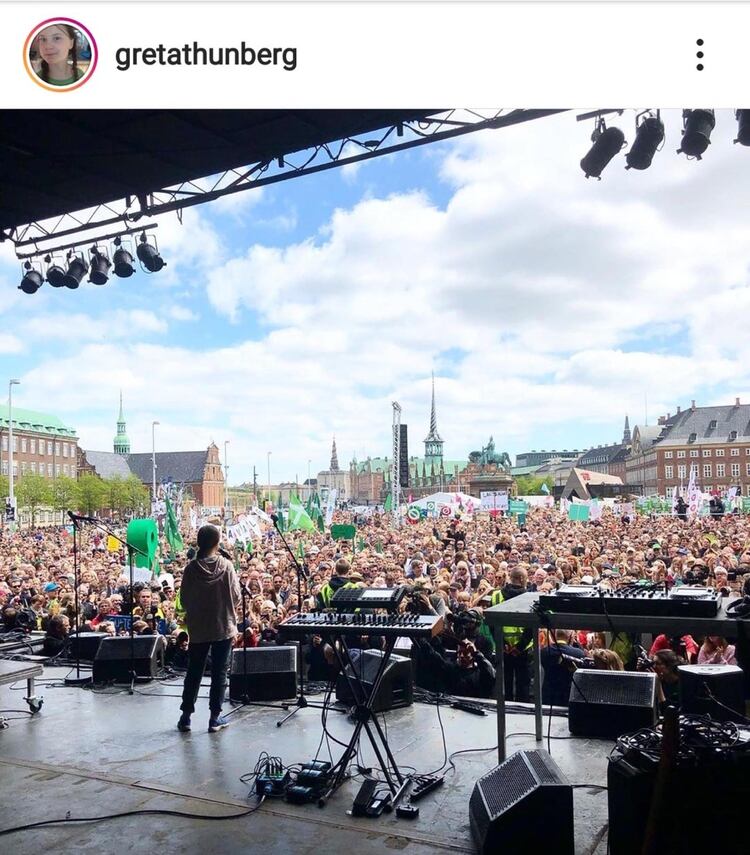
396, 468
39, 237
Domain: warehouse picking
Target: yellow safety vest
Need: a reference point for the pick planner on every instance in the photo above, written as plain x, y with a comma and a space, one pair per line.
327, 592
511, 634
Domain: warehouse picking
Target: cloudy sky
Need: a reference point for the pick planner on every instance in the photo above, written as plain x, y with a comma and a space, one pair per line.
548, 306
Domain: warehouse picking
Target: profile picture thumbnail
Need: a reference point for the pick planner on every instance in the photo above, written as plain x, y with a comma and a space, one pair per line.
60, 54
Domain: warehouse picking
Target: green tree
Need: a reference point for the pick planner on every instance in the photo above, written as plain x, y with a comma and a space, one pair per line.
138, 498
33, 492
92, 493
4, 486
118, 494
64, 494
531, 485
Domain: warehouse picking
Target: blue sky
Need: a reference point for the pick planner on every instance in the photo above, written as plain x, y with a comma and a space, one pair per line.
547, 306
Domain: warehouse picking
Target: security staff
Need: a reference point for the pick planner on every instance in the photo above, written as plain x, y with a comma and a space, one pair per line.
338, 580
517, 640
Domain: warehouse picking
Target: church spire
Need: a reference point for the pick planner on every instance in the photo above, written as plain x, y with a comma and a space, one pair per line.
121, 443
334, 457
433, 445
626, 439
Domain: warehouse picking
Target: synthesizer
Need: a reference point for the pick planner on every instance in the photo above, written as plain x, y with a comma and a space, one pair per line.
399, 625
633, 599
349, 599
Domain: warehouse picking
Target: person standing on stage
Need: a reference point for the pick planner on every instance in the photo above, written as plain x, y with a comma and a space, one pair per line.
210, 595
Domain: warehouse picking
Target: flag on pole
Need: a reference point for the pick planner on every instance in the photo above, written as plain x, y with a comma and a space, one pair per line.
388, 507
171, 529
694, 495
331, 505
298, 516
545, 488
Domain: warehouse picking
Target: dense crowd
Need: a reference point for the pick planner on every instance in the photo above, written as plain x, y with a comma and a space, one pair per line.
454, 568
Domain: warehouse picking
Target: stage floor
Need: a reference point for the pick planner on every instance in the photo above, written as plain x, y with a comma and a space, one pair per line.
88, 753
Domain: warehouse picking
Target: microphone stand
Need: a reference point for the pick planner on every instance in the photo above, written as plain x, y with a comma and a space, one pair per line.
131, 553
301, 702
77, 680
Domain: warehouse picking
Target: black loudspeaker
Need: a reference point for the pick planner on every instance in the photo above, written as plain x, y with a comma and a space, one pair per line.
403, 460
112, 661
264, 673
396, 688
525, 805
85, 645
610, 703
725, 682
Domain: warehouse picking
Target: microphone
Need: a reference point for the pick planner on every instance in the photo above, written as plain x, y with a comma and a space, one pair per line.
224, 553
275, 519
80, 518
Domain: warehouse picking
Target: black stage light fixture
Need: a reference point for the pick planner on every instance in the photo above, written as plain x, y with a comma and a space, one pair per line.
100, 265
606, 143
77, 269
649, 135
148, 255
122, 260
55, 272
32, 279
743, 126
696, 132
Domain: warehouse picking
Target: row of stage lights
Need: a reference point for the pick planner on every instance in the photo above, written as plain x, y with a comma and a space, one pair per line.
697, 126
70, 273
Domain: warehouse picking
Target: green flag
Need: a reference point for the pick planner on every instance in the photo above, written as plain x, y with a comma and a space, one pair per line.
280, 520
388, 507
298, 516
171, 529
249, 547
301, 551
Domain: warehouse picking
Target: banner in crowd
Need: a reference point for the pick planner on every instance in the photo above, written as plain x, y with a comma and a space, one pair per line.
331, 505
494, 500
579, 511
244, 530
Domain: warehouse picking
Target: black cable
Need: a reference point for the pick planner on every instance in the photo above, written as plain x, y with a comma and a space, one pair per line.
142, 812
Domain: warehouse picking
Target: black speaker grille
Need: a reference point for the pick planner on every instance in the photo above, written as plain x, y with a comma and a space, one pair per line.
119, 648
264, 660
613, 687
544, 773
507, 784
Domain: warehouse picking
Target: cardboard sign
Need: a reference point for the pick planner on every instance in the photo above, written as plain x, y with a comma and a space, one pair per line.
343, 532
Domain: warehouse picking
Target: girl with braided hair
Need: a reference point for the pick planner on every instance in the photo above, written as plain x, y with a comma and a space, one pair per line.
57, 47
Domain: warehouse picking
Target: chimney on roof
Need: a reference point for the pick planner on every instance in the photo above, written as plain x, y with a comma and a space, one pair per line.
679, 409
692, 405
736, 402
662, 420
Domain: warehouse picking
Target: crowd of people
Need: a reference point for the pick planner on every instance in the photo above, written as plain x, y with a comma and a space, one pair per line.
454, 568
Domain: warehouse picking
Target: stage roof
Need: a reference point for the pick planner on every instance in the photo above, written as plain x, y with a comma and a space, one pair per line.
53, 162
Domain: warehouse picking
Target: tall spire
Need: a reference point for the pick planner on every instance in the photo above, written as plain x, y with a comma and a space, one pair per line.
626, 438
121, 443
334, 457
433, 445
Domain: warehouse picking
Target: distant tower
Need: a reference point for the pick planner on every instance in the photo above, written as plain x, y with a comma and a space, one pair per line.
122, 443
334, 457
626, 439
433, 445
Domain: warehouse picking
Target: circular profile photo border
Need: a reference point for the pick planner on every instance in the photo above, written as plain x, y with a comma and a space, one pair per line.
78, 26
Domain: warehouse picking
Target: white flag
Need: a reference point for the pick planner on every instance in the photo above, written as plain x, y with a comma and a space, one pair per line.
331, 505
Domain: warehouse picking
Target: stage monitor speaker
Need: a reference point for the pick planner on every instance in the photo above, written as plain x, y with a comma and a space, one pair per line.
403, 460
610, 703
396, 688
112, 661
85, 645
524, 805
725, 682
264, 673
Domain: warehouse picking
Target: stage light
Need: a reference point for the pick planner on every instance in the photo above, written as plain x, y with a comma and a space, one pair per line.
149, 256
100, 265
696, 132
649, 135
606, 143
743, 126
32, 279
55, 272
122, 260
77, 269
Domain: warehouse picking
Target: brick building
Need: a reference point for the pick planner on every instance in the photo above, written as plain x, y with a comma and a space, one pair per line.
42, 444
713, 440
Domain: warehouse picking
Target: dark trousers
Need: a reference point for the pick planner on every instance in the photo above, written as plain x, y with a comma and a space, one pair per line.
517, 677
197, 656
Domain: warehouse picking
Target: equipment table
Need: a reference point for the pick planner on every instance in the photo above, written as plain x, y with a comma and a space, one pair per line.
12, 672
519, 611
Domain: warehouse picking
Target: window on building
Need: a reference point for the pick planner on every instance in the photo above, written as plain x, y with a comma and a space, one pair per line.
65, 449
719, 470
33, 467
15, 469
747, 469
15, 444
735, 452
49, 449
681, 453
681, 471
692, 437
50, 471
670, 492
58, 468
668, 470
706, 452
23, 445
732, 435
712, 424
58, 450
707, 470
5, 467
32, 446
720, 452
24, 467
5, 442
735, 469
667, 455
694, 469
693, 452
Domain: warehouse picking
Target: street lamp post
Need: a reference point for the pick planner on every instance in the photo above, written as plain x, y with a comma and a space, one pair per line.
11, 384
153, 460
226, 480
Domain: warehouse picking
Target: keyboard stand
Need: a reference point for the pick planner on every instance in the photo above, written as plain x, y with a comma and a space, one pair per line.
365, 718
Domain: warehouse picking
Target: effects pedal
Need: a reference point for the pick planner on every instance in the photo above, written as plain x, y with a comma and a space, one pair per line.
407, 811
424, 784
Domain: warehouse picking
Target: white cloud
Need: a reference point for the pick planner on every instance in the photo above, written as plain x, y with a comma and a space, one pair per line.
10, 343
182, 313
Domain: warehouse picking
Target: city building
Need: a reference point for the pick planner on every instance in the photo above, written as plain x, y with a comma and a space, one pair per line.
42, 444
538, 458
714, 442
608, 459
335, 478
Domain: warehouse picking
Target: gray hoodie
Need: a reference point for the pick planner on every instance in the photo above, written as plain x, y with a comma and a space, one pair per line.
210, 594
